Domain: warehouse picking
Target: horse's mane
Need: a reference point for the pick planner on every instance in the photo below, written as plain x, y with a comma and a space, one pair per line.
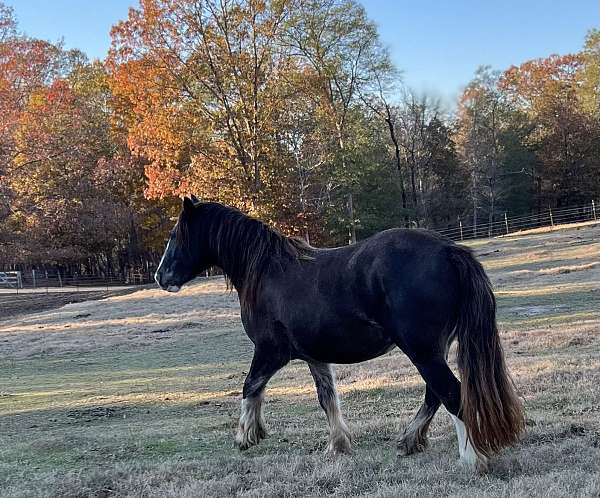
245, 247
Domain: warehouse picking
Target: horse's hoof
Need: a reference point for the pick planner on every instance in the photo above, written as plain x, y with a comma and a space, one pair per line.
241, 446
244, 439
479, 465
410, 444
244, 444
339, 446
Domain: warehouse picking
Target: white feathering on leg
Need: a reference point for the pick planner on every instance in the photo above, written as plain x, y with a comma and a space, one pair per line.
467, 453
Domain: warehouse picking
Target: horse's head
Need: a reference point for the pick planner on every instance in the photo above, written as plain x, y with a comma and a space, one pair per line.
183, 258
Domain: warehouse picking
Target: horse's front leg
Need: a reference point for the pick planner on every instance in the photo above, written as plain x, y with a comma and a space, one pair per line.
339, 435
265, 363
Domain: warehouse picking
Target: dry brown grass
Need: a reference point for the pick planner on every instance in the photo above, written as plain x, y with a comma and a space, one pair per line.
138, 396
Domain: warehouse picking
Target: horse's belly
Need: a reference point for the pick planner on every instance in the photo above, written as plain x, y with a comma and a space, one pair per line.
349, 345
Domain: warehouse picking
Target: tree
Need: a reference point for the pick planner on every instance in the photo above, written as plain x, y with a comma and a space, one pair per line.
589, 91
202, 82
484, 123
565, 136
336, 40
75, 187
223, 98
378, 101
412, 126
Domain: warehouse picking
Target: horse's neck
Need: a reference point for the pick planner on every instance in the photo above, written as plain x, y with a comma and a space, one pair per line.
232, 259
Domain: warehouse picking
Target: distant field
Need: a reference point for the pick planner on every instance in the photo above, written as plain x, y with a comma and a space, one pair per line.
138, 395
13, 304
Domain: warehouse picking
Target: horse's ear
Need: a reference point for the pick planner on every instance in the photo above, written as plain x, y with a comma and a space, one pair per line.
195, 199
188, 205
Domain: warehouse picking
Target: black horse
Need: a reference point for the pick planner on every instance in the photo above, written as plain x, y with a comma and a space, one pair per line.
408, 288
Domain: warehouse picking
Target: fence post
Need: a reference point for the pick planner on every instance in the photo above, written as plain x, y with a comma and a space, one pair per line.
594, 209
551, 218
59, 279
506, 222
33, 278
461, 229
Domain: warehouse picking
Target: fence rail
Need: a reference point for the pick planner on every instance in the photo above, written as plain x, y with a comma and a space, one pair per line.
56, 281
11, 279
509, 224
42, 281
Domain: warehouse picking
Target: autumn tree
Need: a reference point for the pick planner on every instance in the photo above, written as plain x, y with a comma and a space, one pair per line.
336, 40
589, 90
488, 124
72, 190
565, 136
25, 65
201, 81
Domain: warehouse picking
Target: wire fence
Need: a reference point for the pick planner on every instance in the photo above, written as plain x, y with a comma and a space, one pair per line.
53, 281
57, 281
511, 224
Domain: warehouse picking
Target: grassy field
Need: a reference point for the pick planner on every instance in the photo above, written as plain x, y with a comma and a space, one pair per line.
138, 395
14, 304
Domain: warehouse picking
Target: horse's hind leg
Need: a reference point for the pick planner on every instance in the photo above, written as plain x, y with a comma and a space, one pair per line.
251, 428
339, 436
445, 385
414, 438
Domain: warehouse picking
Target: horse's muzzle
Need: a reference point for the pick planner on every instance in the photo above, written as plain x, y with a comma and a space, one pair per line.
159, 279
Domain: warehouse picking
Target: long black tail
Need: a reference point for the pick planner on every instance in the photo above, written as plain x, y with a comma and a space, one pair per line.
491, 410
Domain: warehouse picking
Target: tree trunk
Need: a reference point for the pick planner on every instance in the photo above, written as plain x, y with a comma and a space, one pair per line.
352, 238
414, 192
398, 163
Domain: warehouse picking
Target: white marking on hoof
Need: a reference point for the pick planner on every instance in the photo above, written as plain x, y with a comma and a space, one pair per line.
468, 455
251, 428
340, 440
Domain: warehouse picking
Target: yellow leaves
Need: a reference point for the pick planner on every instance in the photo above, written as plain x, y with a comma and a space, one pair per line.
540, 83
205, 90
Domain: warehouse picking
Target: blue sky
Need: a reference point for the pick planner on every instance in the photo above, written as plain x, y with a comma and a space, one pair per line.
438, 44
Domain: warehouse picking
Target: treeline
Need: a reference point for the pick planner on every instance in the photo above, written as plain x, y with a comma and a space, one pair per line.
288, 109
